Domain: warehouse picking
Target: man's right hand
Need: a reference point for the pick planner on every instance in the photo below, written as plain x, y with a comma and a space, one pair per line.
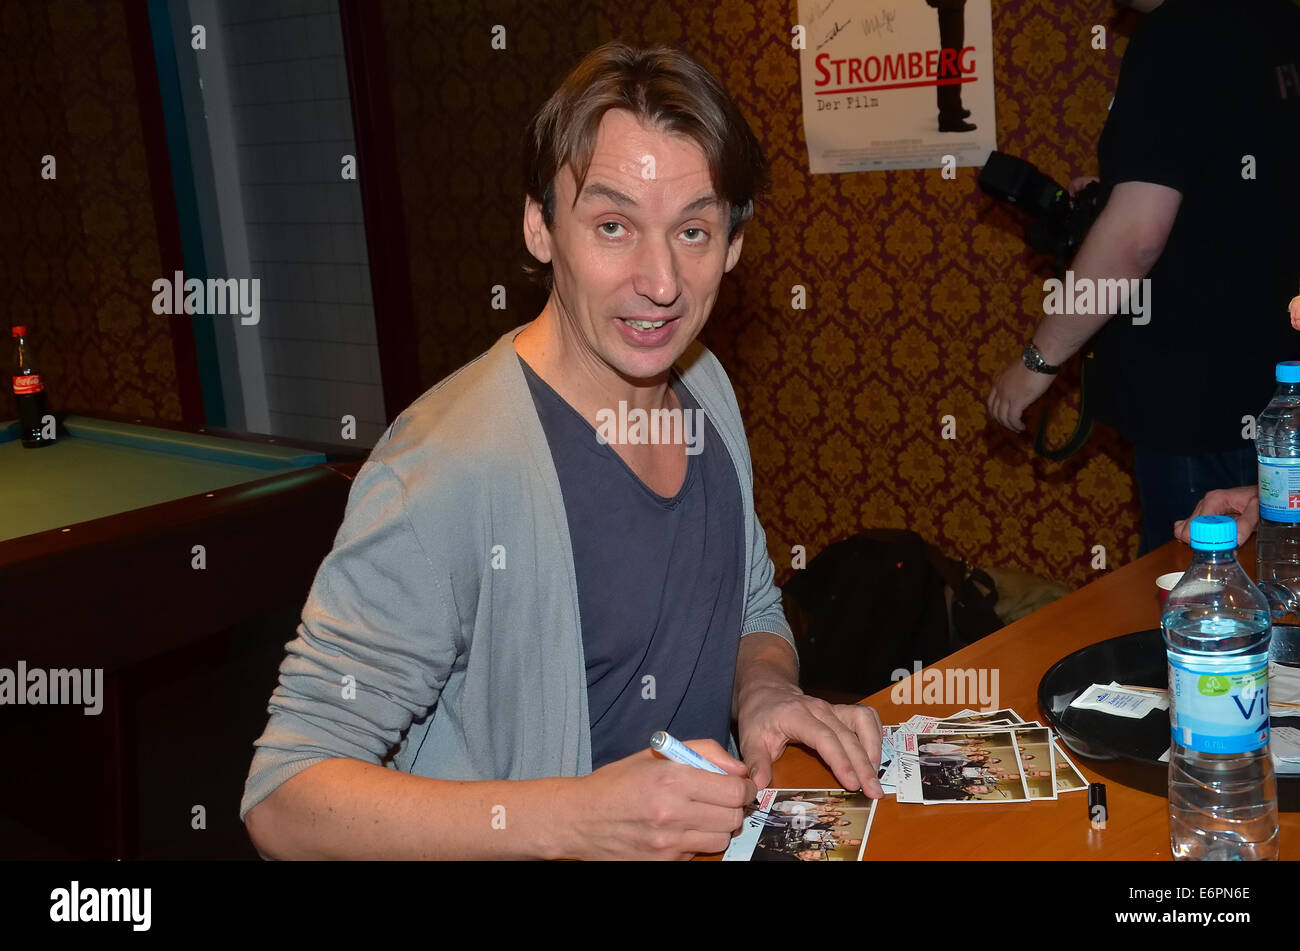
647, 807
1242, 503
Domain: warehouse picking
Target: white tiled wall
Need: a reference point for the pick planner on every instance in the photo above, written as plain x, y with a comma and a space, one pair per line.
306, 238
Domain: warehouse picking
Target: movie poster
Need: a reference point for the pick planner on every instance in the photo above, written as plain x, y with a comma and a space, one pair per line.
899, 84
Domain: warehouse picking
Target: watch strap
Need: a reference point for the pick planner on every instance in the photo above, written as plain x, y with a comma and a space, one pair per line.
1034, 361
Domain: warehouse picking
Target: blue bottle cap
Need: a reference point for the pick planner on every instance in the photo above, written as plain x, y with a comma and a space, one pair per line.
1288, 372
1214, 533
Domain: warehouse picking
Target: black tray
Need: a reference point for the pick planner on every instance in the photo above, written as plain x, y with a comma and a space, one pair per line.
1122, 749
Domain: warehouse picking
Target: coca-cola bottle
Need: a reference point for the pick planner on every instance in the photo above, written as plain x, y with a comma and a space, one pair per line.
29, 394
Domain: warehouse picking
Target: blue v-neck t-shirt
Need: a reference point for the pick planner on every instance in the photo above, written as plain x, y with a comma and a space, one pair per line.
659, 582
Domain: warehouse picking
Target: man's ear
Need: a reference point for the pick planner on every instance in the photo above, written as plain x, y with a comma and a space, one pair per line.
733, 250
537, 237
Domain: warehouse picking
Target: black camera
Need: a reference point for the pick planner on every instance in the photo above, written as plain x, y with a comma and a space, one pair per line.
1060, 223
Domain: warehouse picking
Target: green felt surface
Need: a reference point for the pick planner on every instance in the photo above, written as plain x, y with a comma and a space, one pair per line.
103, 468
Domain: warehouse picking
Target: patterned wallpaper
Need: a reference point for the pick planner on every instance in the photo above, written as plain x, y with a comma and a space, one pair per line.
921, 290
78, 253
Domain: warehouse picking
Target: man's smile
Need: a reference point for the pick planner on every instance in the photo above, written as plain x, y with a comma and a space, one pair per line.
647, 331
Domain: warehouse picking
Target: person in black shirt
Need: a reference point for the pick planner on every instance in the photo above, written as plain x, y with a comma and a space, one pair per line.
1200, 148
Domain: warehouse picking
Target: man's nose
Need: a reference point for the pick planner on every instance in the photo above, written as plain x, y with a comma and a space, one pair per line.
656, 272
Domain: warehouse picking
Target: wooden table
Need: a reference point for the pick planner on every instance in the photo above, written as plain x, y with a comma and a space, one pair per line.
1138, 824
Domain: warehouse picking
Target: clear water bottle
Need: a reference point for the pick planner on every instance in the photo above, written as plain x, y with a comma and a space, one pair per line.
1277, 446
1222, 791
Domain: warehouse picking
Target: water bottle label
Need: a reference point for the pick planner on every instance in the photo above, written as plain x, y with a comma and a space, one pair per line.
1279, 489
1218, 708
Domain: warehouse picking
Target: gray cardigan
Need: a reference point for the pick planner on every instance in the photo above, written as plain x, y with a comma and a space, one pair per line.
410, 636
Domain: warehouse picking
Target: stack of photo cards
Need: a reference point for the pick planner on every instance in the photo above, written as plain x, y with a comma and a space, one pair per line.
804, 825
975, 757
966, 757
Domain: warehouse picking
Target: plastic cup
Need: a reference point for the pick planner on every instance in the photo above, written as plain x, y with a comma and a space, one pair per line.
1165, 583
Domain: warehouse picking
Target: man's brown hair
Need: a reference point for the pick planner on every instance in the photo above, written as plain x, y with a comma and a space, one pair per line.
661, 86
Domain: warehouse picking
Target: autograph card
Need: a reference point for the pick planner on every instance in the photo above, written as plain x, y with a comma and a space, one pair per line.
886, 771
1037, 765
1068, 777
977, 766
974, 717
805, 825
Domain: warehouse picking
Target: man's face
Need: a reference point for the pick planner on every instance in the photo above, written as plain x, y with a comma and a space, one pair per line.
646, 241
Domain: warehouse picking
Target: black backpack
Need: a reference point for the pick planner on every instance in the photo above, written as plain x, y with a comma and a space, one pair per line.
876, 602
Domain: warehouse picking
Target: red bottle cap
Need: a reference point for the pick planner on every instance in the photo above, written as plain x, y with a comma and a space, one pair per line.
20, 331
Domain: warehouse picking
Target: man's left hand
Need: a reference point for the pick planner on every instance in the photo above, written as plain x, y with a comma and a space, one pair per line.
846, 736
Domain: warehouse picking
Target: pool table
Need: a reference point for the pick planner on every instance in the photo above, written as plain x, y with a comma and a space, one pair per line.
97, 532
100, 569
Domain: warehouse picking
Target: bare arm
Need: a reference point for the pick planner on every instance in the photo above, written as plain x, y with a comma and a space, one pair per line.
347, 809
772, 712
639, 807
1124, 242
762, 658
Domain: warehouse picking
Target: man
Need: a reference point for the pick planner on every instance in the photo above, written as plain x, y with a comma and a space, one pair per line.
952, 37
442, 634
1203, 202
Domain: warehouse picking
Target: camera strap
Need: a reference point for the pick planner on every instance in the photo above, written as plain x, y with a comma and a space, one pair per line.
1081, 431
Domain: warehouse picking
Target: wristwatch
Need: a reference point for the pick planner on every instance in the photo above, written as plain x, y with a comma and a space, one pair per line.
1034, 360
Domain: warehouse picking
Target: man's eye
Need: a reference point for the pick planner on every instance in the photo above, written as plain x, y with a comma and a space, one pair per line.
606, 226
695, 235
